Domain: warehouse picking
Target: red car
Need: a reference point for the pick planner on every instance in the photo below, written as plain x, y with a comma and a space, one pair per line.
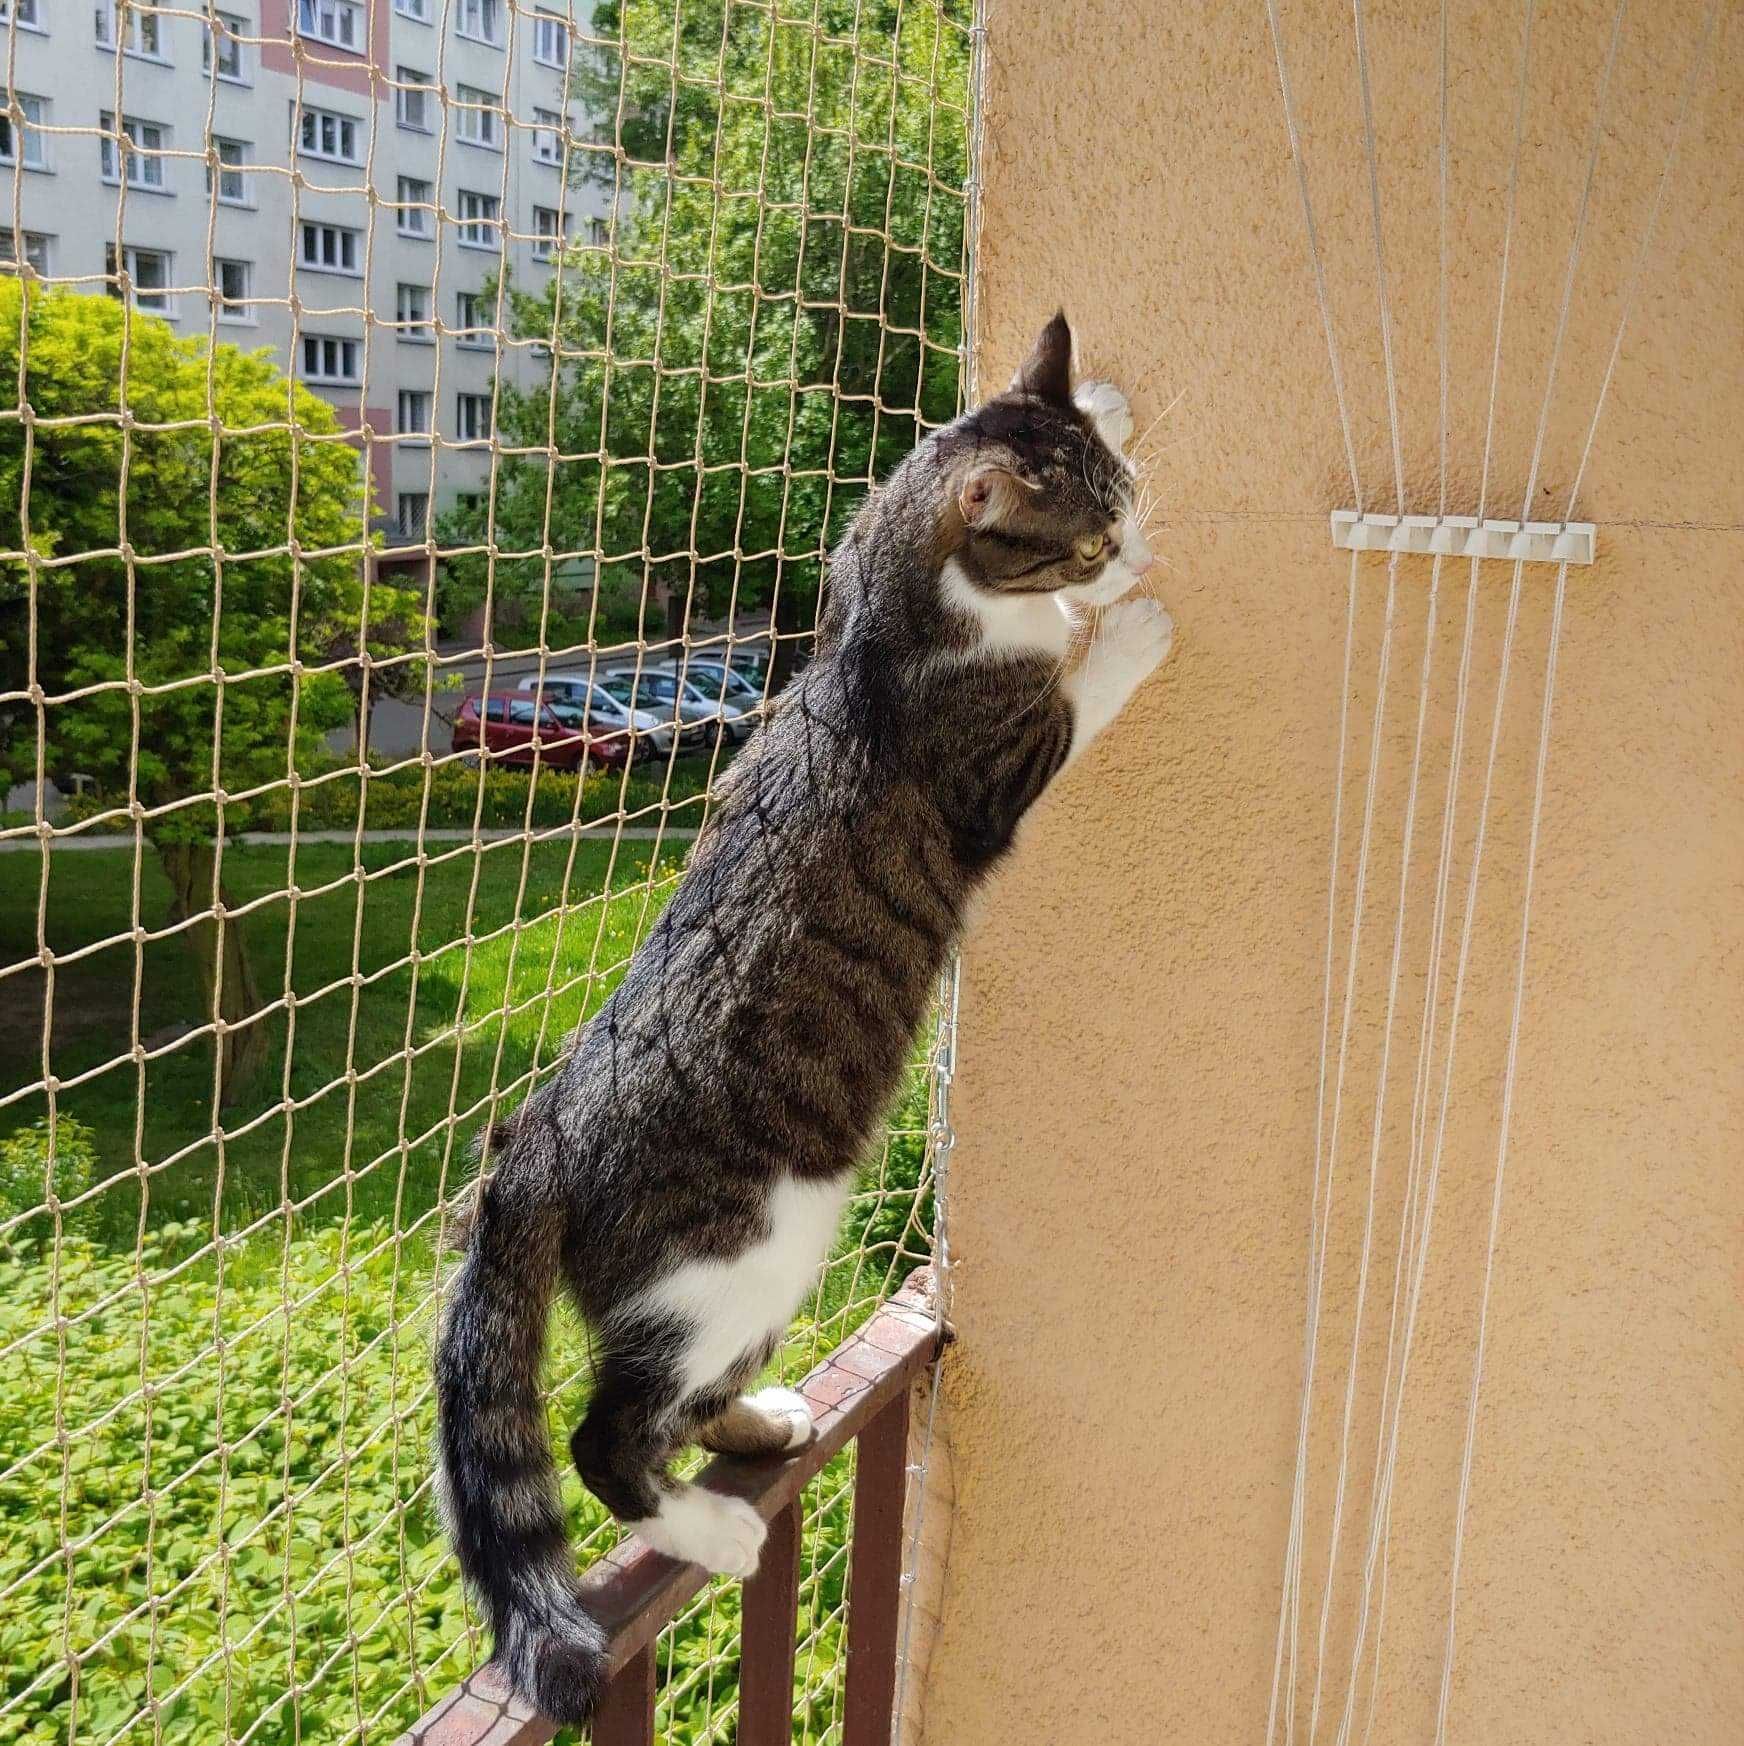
513, 726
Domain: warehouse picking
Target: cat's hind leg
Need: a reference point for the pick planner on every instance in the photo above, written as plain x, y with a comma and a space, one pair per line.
772, 1421
635, 1420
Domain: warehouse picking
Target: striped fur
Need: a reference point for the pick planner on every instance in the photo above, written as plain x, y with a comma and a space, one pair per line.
681, 1175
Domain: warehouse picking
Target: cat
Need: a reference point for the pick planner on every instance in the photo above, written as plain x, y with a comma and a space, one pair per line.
683, 1173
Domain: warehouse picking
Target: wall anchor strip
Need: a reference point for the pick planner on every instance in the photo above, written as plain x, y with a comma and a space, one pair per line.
1464, 536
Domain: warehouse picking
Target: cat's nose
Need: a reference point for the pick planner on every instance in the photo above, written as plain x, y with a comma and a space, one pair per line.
1138, 554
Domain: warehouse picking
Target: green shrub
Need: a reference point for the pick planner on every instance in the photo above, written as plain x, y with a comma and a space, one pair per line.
27, 1168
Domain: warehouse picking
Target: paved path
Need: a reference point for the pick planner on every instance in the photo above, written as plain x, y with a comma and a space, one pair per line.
266, 839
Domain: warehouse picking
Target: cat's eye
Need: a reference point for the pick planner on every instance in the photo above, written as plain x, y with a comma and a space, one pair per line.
1091, 546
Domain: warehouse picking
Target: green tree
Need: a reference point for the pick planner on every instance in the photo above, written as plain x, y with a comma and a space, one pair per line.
214, 528
778, 312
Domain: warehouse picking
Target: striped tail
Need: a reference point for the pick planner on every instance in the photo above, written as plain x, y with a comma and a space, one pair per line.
498, 1486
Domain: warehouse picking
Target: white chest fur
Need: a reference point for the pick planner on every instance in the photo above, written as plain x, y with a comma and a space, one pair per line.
732, 1307
1014, 624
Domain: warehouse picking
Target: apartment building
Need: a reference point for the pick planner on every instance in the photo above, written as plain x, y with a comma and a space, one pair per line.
339, 180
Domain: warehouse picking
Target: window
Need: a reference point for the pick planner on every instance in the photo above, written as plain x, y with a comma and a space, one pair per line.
472, 417
148, 271
330, 248
550, 40
412, 100
482, 20
412, 313
339, 22
547, 136
232, 183
329, 359
550, 232
32, 245
141, 35
414, 217
233, 281
475, 121
324, 133
414, 514
473, 316
599, 232
24, 10
418, 9
142, 137
221, 44
412, 415
35, 113
480, 221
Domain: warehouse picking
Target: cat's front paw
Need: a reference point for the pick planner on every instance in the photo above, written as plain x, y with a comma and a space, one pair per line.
1138, 632
1106, 407
722, 1534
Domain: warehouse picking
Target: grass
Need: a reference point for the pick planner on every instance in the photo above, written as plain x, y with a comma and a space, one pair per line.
215, 1520
424, 1042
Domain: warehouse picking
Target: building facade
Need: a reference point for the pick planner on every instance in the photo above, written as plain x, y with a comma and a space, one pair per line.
340, 181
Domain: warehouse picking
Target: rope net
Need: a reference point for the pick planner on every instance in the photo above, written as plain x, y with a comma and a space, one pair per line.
364, 358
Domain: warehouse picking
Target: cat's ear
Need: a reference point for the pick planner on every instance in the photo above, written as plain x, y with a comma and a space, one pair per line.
988, 496
1047, 372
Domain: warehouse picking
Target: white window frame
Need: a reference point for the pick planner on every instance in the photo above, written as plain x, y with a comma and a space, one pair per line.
546, 27
478, 118
337, 248
145, 33
599, 232
340, 24
28, 152
548, 138
161, 301
343, 127
480, 21
548, 243
479, 228
230, 37
414, 412
416, 10
144, 173
472, 418
29, 15
37, 243
341, 352
410, 84
232, 169
422, 530
469, 312
416, 326
412, 219
236, 311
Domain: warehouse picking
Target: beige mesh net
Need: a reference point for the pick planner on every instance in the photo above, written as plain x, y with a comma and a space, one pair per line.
425, 420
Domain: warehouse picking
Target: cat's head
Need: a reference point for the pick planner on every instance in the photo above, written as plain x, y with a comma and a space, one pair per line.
1045, 503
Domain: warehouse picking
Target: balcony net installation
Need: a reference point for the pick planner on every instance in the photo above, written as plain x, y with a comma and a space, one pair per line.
425, 421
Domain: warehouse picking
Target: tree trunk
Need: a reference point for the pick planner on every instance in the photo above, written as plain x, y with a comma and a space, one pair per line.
793, 614
220, 960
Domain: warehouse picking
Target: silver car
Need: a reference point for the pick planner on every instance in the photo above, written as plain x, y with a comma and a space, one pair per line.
681, 702
605, 714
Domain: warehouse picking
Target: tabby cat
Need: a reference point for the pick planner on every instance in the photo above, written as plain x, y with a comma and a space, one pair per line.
682, 1175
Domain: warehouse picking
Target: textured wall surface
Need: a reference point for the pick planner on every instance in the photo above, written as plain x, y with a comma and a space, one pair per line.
1142, 1010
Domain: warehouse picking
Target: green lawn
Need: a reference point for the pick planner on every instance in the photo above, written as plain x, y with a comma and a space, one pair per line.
423, 1043
213, 1460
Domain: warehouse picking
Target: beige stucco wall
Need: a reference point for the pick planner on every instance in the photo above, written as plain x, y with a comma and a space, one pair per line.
1141, 1013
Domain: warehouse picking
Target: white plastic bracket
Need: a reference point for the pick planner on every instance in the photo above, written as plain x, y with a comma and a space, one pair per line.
1464, 536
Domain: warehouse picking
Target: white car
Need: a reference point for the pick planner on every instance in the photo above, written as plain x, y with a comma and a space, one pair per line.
604, 714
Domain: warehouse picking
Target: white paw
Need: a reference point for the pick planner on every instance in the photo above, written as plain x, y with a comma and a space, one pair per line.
1103, 403
789, 1406
694, 1526
1137, 631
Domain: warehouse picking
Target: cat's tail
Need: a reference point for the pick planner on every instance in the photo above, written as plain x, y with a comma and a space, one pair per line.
497, 1484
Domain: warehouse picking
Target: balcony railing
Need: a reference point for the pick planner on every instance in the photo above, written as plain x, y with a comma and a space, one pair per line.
860, 1393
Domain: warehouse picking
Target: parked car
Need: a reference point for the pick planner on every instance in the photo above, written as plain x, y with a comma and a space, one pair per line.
585, 703
512, 728
679, 701
713, 679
